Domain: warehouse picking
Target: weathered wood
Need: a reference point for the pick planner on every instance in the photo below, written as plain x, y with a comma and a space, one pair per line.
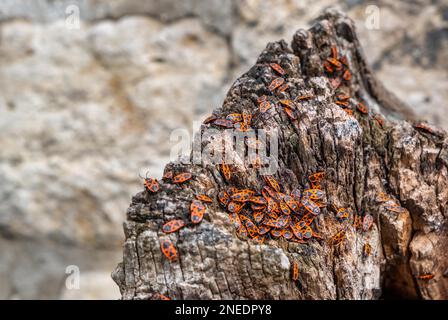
361, 159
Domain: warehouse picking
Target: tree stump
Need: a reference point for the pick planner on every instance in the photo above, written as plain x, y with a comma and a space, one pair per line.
377, 162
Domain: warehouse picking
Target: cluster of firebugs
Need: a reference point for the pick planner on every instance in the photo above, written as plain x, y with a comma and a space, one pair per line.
272, 213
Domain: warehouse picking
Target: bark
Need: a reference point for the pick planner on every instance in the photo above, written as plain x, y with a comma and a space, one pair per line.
361, 159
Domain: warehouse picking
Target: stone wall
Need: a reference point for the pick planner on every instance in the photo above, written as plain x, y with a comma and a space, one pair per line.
77, 103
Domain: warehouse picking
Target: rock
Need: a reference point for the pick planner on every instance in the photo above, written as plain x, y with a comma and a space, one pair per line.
110, 86
92, 96
215, 14
411, 40
40, 269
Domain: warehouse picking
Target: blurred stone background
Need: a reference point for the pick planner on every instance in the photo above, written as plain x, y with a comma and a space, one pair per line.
84, 110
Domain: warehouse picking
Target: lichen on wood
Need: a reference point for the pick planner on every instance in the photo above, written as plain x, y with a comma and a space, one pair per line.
378, 164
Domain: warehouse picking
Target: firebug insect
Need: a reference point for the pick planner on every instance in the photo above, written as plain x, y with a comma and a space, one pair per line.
366, 250
272, 205
258, 239
287, 103
234, 117
182, 177
277, 82
427, 276
162, 297
252, 229
357, 221
233, 190
223, 123
306, 219
235, 206
241, 127
314, 194
342, 214
277, 68
289, 200
338, 238
382, 197
328, 67
310, 206
269, 192
296, 195
295, 271
245, 126
270, 223
283, 221
258, 216
250, 226
276, 211
342, 97
317, 177
335, 63
334, 52
173, 225
262, 98
225, 169
263, 229
304, 97
367, 222
242, 232
223, 198
379, 119
276, 233
423, 127
272, 183
307, 232
151, 185
362, 108
258, 200
242, 196
302, 222
264, 106
288, 234
257, 207
197, 210
297, 231
347, 75
247, 117
284, 208
344, 104
290, 113
203, 198
283, 87
280, 195
235, 219
168, 249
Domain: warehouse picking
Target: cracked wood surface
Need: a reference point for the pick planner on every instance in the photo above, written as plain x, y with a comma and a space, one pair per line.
361, 158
